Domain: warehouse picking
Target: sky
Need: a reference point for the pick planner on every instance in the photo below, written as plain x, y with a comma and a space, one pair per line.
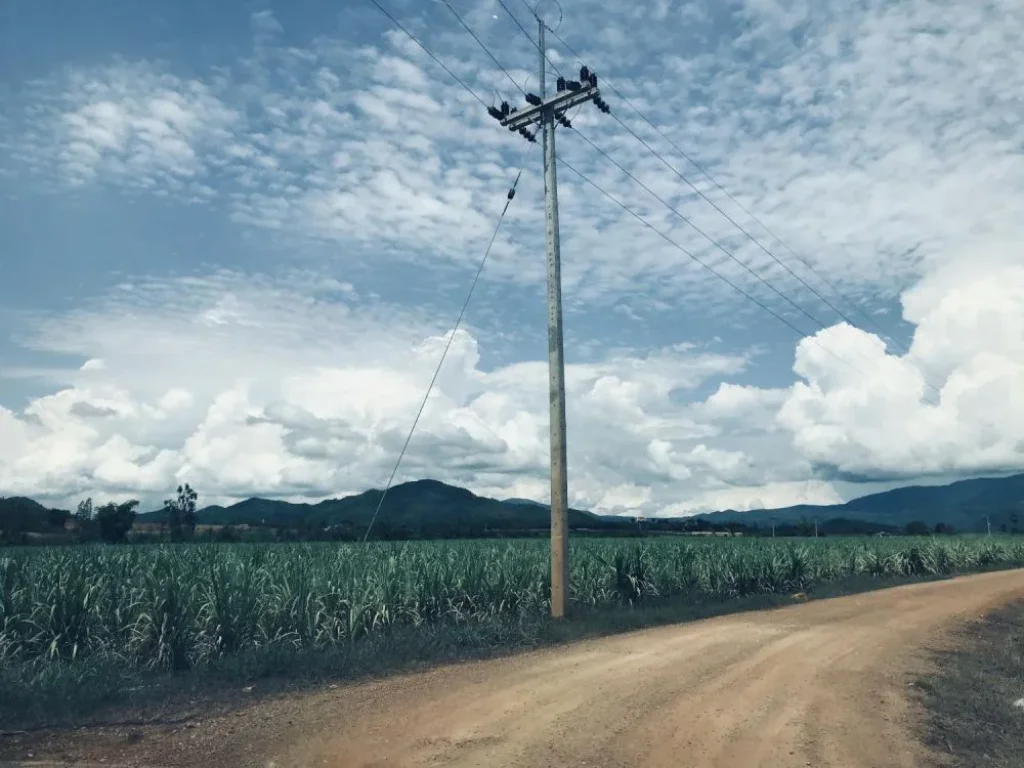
235, 238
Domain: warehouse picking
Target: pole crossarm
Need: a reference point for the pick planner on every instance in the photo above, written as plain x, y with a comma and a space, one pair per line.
560, 102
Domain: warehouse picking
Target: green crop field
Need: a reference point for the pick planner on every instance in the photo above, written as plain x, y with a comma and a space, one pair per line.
177, 607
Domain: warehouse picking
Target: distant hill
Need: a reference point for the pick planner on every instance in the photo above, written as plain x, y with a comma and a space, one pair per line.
525, 502
21, 515
963, 504
428, 508
419, 508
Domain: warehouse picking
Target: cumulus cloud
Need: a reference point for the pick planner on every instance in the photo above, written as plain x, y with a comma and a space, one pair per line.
887, 420
291, 398
881, 140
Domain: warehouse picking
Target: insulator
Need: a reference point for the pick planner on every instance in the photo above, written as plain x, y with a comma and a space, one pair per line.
531, 138
533, 98
494, 113
584, 73
560, 84
505, 109
593, 79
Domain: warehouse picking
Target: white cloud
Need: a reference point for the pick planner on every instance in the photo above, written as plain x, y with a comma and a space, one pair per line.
288, 397
885, 420
881, 139
266, 22
873, 146
140, 127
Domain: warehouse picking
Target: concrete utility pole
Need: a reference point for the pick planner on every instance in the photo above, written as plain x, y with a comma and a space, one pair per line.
556, 364
546, 112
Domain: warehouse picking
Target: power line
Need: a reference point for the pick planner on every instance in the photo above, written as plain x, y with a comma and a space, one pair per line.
724, 191
476, 277
448, 344
668, 205
700, 231
708, 267
605, 154
731, 256
731, 220
660, 199
426, 50
523, 30
706, 199
709, 176
481, 44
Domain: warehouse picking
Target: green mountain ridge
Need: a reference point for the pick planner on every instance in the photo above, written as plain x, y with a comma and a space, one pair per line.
964, 504
430, 508
421, 507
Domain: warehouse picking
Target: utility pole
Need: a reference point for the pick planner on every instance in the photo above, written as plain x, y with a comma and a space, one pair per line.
556, 362
546, 112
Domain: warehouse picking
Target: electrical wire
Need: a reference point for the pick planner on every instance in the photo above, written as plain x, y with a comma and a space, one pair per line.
724, 250
635, 215
521, 27
714, 181
426, 50
476, 276
708, 267
448, 344
664, 202
701, 232
731, 220
676, 212
725, 192
481, 44
728, 253
533, 12
695, 189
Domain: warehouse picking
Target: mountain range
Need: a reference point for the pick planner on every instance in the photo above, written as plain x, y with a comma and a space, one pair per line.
965, 505
418, 508
429, 508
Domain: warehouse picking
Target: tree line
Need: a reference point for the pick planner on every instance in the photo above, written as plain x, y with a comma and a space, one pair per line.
110, 522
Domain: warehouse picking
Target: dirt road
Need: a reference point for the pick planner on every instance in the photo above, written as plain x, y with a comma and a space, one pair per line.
819, 684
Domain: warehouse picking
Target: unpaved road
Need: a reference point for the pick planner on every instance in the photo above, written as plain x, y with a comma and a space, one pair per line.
819, 684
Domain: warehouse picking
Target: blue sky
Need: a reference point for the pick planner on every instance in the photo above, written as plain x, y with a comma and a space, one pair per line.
236, 234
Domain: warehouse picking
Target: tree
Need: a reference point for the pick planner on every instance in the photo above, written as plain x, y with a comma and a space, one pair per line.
917, 528
84, 511
181, 513
945, 528
56, 518
115, 520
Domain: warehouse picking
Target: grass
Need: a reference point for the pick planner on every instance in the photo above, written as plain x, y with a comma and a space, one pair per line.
971, 716
83, 630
